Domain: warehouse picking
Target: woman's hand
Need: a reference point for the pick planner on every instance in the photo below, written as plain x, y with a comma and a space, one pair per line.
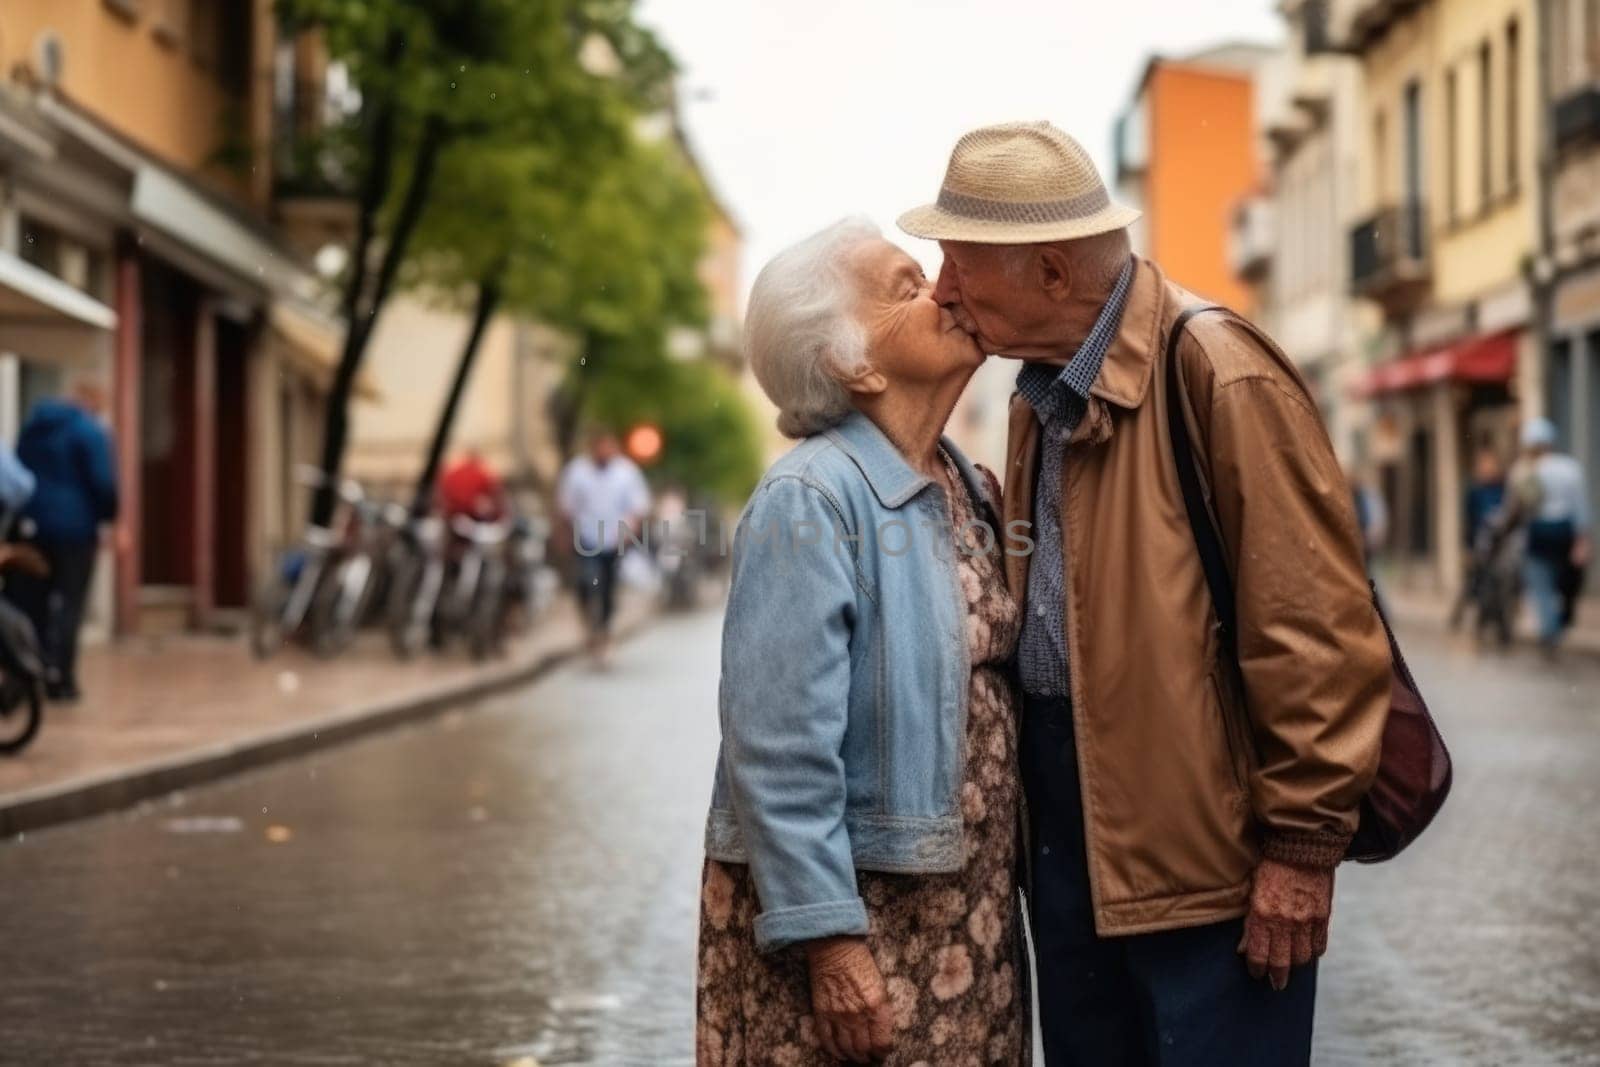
848, 1000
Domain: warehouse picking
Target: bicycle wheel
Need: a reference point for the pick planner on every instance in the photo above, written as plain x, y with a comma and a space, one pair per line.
266, 616
21, 712
410, 608
486, 628
339, 605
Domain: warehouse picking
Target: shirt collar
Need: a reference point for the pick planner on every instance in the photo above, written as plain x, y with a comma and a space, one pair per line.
1046, 388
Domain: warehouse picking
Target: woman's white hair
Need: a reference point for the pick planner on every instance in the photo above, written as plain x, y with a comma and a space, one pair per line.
801, 334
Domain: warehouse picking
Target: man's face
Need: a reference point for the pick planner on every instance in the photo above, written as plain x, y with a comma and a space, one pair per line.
604, 449
995, 294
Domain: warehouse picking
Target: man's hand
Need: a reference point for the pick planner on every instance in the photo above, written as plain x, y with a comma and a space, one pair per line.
1288, 921
848, 1000
1581, 551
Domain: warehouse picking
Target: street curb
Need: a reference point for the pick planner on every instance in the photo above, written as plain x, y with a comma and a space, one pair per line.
124, 787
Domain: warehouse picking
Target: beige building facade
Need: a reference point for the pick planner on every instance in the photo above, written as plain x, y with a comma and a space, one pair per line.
1444, 230
1569, 262
137, 245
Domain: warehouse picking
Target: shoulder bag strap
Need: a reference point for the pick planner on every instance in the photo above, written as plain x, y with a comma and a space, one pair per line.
1212, 558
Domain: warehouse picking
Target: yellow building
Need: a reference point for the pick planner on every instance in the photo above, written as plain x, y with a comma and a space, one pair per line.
1569, 261
136, 189
1446, 224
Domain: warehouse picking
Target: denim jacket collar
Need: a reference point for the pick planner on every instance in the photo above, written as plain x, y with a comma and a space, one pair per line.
893, 480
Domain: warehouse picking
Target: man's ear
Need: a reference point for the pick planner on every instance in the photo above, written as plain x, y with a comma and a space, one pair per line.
865, 382
1055, 273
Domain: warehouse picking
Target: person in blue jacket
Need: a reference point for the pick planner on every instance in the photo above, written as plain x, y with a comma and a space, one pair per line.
65, 445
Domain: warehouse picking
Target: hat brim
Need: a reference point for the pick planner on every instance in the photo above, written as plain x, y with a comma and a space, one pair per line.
934, 223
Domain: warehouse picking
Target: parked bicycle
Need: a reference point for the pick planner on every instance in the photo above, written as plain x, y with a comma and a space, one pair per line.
358, 576
416, 581
514, 592
295, 586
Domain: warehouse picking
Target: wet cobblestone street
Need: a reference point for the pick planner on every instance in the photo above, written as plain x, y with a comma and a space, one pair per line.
516, 884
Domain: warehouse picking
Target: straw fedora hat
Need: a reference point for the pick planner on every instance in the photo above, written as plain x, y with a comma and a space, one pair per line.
1018, 183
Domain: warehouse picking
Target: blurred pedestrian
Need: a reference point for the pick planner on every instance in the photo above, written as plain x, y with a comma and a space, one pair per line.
68, 450
1554, 507
603, 499
1372, 518
1190, 790
1484, 531
860, 891
470, 487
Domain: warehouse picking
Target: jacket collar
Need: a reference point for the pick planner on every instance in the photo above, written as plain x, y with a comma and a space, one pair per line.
1130, 361
893, 480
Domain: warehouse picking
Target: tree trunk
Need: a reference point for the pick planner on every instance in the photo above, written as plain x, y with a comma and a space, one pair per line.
574, 394
364, 315
488, 299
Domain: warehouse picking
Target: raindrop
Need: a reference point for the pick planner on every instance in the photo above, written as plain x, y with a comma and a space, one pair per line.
583, 360
30, 238
452, 85
492, 96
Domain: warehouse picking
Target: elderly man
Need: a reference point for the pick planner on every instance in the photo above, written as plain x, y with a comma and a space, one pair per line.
1187, 802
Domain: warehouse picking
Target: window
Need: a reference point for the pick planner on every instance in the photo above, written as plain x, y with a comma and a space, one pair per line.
1591, 38
1451, 149
1513, 102
1380, 160
1485, 128
220, 42
1558, 387
1413, 147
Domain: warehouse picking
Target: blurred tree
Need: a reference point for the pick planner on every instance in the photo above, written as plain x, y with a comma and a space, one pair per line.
437, 77
609, 255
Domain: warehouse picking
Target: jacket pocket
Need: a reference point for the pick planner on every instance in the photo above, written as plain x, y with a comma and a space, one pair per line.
1233, 735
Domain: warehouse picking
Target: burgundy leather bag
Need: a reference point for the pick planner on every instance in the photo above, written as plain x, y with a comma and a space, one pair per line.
1414, 767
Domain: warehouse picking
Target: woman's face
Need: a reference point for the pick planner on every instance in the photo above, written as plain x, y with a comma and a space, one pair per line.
910, 338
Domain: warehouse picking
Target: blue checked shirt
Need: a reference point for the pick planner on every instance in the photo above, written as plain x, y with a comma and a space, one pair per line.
1059, 398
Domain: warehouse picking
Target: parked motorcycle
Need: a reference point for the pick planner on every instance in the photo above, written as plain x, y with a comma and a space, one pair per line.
21, 662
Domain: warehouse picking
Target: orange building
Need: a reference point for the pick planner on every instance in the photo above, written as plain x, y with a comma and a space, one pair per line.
1186, 156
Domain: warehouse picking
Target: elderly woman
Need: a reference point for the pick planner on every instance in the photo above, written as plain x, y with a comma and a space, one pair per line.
859, 898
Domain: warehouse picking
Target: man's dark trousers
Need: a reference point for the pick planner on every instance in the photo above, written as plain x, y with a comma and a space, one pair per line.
55, 604
1179, 998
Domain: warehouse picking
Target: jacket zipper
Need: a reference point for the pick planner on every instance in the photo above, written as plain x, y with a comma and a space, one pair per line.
1074, 688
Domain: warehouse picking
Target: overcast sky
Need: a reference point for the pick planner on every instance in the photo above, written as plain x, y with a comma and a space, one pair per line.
807, 110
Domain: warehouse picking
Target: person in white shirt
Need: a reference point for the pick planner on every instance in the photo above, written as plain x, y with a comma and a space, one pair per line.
604, 500
1553, 503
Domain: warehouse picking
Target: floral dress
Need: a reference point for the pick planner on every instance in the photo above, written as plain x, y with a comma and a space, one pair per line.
949, 945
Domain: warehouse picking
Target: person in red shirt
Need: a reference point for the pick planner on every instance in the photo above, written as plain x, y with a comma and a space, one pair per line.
470, 486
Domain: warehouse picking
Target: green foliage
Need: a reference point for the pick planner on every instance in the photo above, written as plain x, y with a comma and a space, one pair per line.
544, 188
712, 442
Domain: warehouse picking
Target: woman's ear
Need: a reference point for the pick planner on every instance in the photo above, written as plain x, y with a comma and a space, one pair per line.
1055, 273
865, 381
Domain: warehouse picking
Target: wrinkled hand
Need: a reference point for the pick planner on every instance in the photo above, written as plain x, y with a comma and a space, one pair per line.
1288, 921
848, 1000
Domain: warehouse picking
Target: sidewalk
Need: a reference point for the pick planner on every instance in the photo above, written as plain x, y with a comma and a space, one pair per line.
1417, 608
165, 714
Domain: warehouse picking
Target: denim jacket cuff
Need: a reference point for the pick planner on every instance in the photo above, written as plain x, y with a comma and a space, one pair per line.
805, 922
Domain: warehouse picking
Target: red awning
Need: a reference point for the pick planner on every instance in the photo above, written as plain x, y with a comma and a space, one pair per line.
1491, 359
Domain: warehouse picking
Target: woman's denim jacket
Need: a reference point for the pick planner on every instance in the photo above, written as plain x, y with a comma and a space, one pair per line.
845, 667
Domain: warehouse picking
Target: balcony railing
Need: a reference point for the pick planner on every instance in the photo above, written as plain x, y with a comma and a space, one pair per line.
1389, 255
1575, 117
